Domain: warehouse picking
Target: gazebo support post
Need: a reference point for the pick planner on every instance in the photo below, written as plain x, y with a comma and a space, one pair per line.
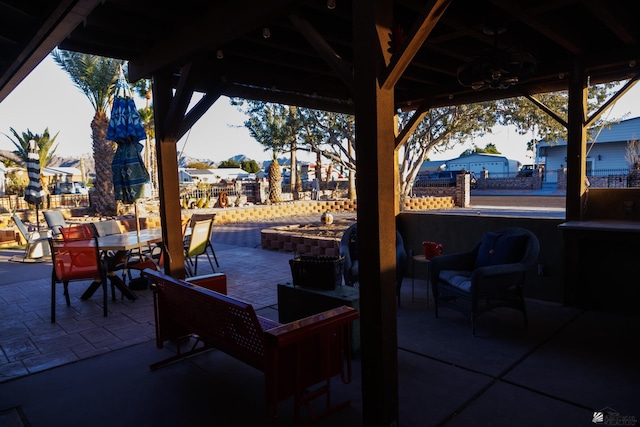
377, 169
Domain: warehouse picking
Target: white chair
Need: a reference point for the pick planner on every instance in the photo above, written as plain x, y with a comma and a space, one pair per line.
37, 243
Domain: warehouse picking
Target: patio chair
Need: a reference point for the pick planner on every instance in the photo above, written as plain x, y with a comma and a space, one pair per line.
76, 258
55, 220
116, 260
37, 243
349, 250
198, 243
199, 217
492, 274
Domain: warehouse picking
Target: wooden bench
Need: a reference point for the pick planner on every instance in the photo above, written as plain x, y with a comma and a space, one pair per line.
298, 359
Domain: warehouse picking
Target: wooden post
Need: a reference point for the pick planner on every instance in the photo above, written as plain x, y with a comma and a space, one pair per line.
576, 143
377, 171
168, 182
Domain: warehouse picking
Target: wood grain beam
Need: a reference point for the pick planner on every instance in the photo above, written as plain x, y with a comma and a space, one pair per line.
326, 52
425, 23
213, 29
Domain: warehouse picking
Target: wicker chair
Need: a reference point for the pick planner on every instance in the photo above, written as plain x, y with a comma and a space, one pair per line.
492, 274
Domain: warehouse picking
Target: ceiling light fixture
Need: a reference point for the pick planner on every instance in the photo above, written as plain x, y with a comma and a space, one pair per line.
331, 4
498, 68
266, 32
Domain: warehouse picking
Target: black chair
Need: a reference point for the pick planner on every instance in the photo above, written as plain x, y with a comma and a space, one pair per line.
492, 274
349, 250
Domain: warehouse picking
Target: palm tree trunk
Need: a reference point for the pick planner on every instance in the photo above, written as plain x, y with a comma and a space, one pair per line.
103, 198
275, 181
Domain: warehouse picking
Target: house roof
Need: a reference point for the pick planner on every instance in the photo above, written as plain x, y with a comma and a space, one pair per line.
486, 156
223, 173
624, 131
300, 52
60, 170
197, 171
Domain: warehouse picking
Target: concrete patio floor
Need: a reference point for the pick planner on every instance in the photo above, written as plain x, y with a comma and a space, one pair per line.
90, 370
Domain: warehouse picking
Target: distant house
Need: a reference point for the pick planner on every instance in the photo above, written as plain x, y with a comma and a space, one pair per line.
476, 162
229, 174
431, 166
606, 149
62, 174
211, 176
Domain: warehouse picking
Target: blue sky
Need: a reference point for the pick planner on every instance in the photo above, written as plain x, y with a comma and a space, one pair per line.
47, 98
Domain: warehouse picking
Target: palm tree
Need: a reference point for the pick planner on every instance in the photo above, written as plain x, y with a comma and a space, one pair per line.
273, 126
44, 142
95, 77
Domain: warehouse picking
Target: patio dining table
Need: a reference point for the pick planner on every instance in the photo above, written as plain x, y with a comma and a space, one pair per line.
119, 243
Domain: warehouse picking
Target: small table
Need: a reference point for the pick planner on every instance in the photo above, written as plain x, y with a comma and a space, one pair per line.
421, 260
295, 302
123, 242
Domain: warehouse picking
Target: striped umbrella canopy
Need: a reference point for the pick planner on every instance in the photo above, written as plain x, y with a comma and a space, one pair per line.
125, 128
34, 194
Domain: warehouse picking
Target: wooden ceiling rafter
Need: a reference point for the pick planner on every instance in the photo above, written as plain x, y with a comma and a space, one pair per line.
425, 22
326, 52
572, 46
213, 29
180, 100
617, 23
67, 15
338, 105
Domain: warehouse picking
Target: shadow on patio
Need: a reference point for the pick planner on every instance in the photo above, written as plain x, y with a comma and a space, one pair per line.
90, 370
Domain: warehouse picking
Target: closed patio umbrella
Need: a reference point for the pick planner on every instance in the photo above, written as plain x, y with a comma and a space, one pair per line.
126, 130
34, 194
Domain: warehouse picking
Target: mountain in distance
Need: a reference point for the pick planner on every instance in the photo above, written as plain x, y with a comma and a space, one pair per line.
86, 161
187, 160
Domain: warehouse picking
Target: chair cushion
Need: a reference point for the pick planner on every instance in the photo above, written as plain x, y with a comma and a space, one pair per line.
354, 270
497, 248
457, 278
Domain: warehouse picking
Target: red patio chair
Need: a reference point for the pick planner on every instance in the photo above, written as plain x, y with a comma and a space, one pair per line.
76, 258
78, 232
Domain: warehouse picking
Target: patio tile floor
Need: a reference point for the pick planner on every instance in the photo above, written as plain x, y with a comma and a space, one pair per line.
90, 370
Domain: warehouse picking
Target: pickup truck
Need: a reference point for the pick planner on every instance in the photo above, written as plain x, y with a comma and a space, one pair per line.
72, 188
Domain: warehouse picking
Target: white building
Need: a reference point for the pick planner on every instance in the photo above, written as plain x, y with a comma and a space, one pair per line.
477, 162
62, 174
606, 150
211, 176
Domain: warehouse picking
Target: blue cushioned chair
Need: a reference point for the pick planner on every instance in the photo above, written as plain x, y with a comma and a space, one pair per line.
349, 250
491, 274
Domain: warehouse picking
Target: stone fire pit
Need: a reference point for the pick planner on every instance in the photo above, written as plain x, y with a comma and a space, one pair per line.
306, 239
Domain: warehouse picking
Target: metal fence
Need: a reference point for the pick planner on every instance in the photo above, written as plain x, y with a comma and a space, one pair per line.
191, 194
17, 203
323, 186
614, 178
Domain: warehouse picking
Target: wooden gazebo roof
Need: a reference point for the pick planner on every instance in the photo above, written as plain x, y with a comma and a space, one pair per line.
368, 57
308, 55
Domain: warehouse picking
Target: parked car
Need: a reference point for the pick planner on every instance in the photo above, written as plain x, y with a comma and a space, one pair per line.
72, 188
525, 171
